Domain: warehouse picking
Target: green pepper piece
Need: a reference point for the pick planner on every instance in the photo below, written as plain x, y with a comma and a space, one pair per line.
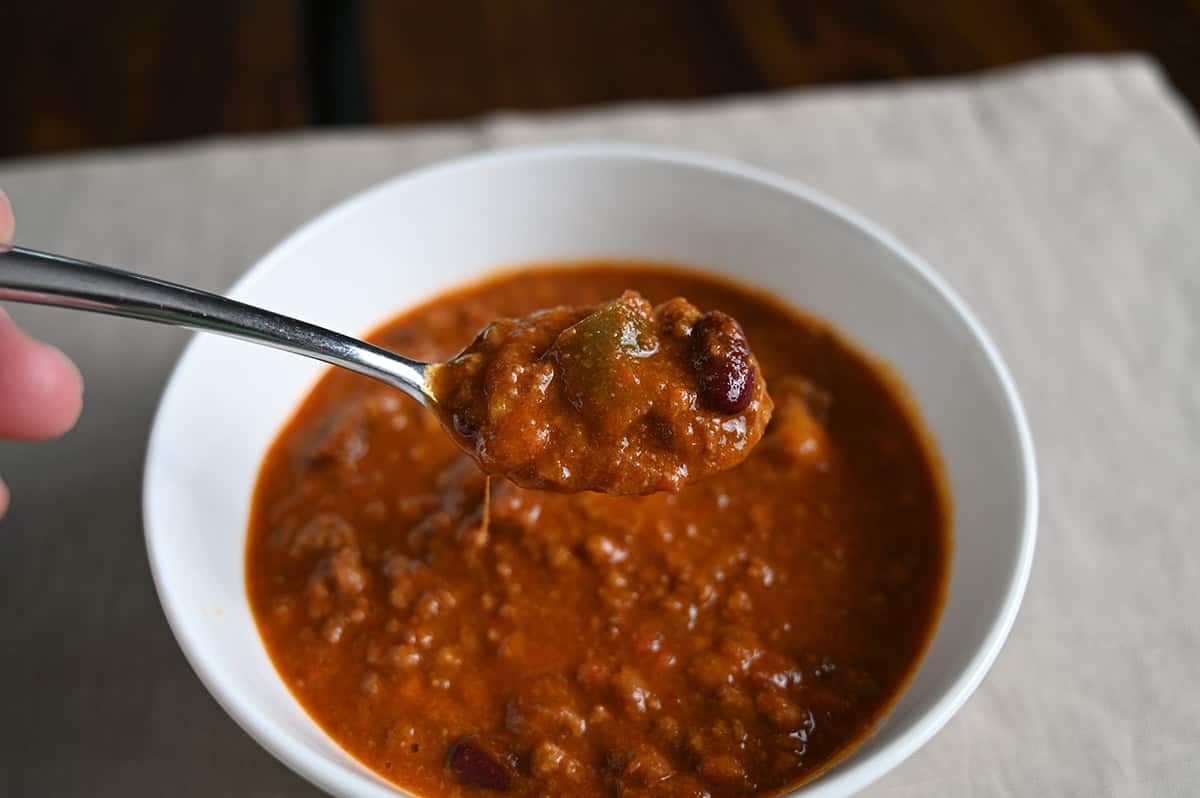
593, 353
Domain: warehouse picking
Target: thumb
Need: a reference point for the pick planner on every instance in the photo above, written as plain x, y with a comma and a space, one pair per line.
8, 225
41, 391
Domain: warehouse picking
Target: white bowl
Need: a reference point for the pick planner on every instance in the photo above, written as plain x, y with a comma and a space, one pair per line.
417, 235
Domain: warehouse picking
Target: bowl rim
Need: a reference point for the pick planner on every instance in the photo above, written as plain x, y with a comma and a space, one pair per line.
845, 777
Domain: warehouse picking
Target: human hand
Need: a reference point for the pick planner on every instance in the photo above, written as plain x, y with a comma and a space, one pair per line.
41, 391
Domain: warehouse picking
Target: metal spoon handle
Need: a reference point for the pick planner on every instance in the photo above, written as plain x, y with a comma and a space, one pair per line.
41, 278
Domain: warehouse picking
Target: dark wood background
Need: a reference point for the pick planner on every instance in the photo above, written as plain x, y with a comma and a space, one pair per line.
91, 74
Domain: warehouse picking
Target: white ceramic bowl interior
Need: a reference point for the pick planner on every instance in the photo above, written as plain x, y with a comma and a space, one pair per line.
415, 236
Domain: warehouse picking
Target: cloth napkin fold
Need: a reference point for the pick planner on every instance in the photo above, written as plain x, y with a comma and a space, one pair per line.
1062, 201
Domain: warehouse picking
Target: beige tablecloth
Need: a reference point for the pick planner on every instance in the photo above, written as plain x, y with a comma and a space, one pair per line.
1062, 200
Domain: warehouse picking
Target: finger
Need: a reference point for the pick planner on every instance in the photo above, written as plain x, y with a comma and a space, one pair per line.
8, 224
41, 391
3, 498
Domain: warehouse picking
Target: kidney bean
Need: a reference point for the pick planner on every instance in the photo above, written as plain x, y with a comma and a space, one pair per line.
475, 767
721, 358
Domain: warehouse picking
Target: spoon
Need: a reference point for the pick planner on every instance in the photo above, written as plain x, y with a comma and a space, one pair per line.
523, 441
41, 278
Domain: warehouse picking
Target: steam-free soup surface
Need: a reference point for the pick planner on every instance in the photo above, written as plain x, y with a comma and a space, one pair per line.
462, 637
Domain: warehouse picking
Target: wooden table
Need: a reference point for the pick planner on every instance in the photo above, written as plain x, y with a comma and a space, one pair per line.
86, 75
